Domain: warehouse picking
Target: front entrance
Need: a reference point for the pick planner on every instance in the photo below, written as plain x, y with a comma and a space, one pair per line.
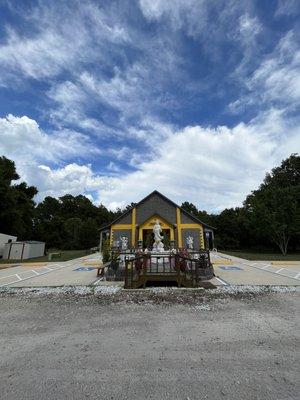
145, 232
148, 238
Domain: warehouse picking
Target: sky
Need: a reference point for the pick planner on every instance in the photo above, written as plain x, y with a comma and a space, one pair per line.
113, 99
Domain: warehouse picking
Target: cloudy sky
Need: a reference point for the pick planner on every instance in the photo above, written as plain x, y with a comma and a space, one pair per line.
113, 99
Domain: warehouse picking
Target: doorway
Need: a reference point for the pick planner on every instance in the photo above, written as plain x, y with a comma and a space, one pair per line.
148, 238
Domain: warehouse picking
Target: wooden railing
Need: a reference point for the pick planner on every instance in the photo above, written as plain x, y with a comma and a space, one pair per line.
185, 271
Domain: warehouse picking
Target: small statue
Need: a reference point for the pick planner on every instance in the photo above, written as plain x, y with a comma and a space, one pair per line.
190, 242
124, 242
158, 244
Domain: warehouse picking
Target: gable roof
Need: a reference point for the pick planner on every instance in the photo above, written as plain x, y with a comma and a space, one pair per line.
156, 192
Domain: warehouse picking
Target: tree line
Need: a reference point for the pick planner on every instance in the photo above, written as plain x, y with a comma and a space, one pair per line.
268, 219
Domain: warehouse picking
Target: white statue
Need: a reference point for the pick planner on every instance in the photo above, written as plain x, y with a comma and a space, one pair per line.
190, 242
124, 242
158, 244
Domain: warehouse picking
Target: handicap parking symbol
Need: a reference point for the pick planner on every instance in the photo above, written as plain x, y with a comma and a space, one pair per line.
84, 269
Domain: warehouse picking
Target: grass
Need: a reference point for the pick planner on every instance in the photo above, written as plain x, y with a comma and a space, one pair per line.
66, 255
256, 256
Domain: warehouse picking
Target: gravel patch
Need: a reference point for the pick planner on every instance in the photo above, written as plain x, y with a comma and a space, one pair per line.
169, 295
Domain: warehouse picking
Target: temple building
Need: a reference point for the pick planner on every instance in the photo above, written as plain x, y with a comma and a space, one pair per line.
178, 226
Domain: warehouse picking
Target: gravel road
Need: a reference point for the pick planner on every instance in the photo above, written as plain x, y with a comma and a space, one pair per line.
83, 347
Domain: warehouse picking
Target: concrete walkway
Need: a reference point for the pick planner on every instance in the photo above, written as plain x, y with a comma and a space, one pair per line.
237, 271
80, 271
229, 270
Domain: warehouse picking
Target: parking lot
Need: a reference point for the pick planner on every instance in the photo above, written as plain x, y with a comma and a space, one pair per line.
82, 271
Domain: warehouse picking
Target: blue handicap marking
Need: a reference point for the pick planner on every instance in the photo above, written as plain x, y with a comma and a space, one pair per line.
231, 268
84, 269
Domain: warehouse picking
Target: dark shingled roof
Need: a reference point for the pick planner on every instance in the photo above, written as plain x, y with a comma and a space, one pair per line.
165, 198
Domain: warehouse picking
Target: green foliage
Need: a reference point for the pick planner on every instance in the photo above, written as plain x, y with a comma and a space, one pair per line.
193, 210
16, 202
106, 251
274, 209
270, 215
70, 222
88, 236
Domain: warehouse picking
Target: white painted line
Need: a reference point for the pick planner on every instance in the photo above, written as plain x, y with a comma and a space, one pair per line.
221, 281
281, 269
35, 272
10, 283
7, 276
273, 272
56, 267
72, 264
297, 276
18, 276
98, 280
266, 266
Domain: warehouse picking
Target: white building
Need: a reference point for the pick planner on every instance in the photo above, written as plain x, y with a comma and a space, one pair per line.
5, 239
23, 250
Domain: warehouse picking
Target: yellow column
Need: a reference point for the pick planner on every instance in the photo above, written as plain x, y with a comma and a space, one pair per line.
171, 234
202, 243
133, 226
178, 219
111, 236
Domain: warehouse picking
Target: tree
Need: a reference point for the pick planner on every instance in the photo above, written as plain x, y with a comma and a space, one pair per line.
72, 228
16, 202
228, 229
88, 236
274, 209
70, 222
193, 210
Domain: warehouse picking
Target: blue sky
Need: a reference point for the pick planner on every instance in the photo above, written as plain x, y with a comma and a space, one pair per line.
113, 99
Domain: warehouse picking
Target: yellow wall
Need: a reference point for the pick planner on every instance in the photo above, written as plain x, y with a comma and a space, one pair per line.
148, 224
181, 226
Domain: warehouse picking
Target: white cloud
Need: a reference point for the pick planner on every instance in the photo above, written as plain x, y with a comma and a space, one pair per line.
287, 8
213, 167
64, 38
177, 11
197, 18
277, 78
22, 139
71, 179
249, 27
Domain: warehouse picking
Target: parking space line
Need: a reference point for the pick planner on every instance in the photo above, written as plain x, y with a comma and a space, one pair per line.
274, 272
29, 277
224, 283
35, 272
98, 280
18, 276
8, 276
281, 269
